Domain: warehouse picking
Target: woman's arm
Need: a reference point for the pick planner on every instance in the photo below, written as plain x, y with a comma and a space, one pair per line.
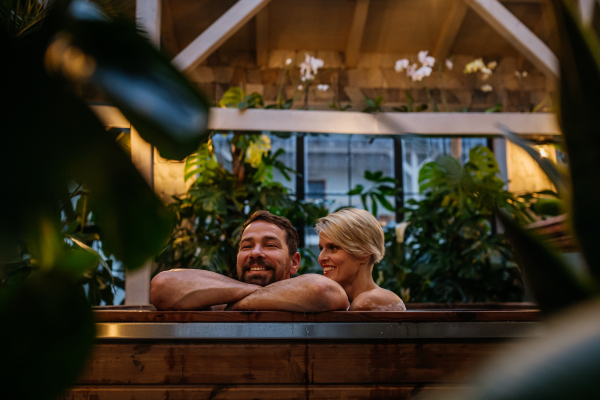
377, 300
192, 289
306, 293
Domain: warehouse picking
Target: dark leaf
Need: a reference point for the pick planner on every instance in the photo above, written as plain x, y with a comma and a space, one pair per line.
386, 204
552, 283
357, 190
159, 102
46, 322
578, 115
374, 205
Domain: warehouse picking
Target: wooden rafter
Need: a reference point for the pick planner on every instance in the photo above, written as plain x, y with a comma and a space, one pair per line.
517, 34
148, 15
262, 37
586, 11
449, 30
349, 122
356, 32
137, 283
216, 34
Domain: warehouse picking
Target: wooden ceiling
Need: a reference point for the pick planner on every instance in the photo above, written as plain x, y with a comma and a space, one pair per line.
392, 26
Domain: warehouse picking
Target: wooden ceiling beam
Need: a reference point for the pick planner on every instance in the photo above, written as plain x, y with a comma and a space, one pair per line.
586, 11
216, 34
449, 30
148, 15
356, 32
517, 34
262, 37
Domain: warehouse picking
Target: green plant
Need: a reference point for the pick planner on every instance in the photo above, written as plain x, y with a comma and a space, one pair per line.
410, 104
235, 97
448, 252
377, 192
373, 106
220, 200
53, 139
564, 362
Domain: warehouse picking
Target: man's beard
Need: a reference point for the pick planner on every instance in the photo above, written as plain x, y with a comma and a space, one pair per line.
258, 280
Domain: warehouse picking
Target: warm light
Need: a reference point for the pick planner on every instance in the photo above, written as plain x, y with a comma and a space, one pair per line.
543, 153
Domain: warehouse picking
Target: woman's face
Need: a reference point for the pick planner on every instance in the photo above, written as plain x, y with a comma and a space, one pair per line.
337, 264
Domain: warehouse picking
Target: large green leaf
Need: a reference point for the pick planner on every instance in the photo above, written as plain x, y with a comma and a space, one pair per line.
553, 284
578, 114
46, 335
159, 102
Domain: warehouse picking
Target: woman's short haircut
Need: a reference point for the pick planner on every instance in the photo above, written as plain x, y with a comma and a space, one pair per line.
356, 231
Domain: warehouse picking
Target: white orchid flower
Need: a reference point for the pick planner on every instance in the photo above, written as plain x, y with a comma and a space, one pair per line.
288, 61
429, 61
423, 56
487, 88
300, 87
316, 63
422, 72
449, 64
322, 88
492, 64
309, 67
411, 70
401, 65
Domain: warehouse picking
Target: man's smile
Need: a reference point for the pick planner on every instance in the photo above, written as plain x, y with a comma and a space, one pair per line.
257, 268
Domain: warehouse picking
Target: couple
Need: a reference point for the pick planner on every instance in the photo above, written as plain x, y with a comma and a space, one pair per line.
351, 242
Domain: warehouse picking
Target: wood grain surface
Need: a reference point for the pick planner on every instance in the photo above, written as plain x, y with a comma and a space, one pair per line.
384, 362
116, 315
245, 392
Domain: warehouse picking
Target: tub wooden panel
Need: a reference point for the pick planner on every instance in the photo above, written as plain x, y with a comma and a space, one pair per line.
149, 354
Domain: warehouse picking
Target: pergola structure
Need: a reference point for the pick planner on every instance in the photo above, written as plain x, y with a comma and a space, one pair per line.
361, 39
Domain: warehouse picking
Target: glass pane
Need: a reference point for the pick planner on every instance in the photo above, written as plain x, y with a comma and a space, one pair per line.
222, 149
327, 167
337, 163
416, 152
288, 158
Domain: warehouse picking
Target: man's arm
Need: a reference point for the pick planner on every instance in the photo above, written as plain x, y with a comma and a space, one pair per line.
306, 293
192, 289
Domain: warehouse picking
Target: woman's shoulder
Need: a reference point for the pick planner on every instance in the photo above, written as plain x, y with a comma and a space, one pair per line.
377, 299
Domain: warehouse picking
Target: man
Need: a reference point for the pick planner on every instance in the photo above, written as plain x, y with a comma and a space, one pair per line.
267, 258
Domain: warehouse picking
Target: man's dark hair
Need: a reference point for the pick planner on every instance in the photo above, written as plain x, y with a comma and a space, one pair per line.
291, 236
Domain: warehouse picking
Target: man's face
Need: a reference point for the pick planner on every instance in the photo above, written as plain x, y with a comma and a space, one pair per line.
263, 256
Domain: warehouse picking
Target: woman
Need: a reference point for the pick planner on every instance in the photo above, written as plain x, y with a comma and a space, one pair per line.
351, 242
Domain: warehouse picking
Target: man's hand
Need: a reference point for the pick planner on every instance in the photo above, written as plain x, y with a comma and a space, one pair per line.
306, 293
192, 289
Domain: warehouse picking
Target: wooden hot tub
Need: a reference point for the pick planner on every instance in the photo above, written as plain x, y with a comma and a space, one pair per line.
142, 354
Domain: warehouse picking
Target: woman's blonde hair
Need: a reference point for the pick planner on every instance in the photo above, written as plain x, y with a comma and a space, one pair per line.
356, 231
